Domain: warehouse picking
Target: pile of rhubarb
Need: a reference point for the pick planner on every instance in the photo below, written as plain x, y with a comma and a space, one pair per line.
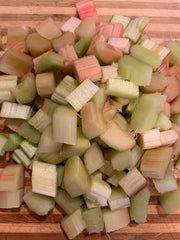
93, 110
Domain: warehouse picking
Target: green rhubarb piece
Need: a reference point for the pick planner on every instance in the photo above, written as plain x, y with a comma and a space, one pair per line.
175, 118
60, 173
146, 111
168, 183
93, 158
94, 220
115, 219
63, 89
25, 91
73, 224
120, 160
23, 158
174, 55
66, 202
146, 55
49, 106
81, 146
38, 203
130, 107
178, 163
29, 132
90, 204
170, 201
82, 46
136, 154
134, 70
49, 157
76, 180
49, 61
115, 177
139, 206
121, 88
118, 199
120, 19
163, 122
13, 142
154, 162
29, 148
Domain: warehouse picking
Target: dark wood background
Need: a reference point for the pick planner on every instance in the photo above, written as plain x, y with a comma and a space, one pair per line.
165, 25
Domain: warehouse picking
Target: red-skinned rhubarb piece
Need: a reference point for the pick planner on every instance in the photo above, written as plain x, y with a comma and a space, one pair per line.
174, 71
173, 88
117, 30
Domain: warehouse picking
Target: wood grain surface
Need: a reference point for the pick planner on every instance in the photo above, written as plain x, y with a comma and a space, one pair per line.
164, 25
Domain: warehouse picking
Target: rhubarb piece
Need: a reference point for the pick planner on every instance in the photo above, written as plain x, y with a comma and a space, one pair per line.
107, 168
87, 68
120, 19
100, 191
11, 199
168, 137
109, 110
120, 160
174, 71
93, 158
93, 122
164, 67
176, 118
86, 29
87, 9
133, 182
15, 62
48, 29
37, 45
90, 204
82, 94
121, 121
122, 44
63, 89
108, 71
167, 109
76, 180
175, 105
157, 84
14, 110
16, 37
94, 220
29, 148
118, 199
47, 143
60, 173
146, 55
163, 122
116, 219
49, 157
12, 178
115, 177
22, 157
173, 88
14, 124
146, 111
65, 125
49, 61
45, 84
3, 141
82, 46
173, 57
136, 154
71, 24
81, 146
154, 162
121, 88
21, 91
40, 120
44, 178
13, 142
168, 183
150, 139
7, 82
100, 97
139, 206
73, 224
170, 201
67, 203
117, 30
135, 70
38, 203
67, 38
28, 132
117, 138
176, 147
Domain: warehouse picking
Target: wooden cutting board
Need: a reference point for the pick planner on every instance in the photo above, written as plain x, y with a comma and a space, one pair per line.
164, 25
